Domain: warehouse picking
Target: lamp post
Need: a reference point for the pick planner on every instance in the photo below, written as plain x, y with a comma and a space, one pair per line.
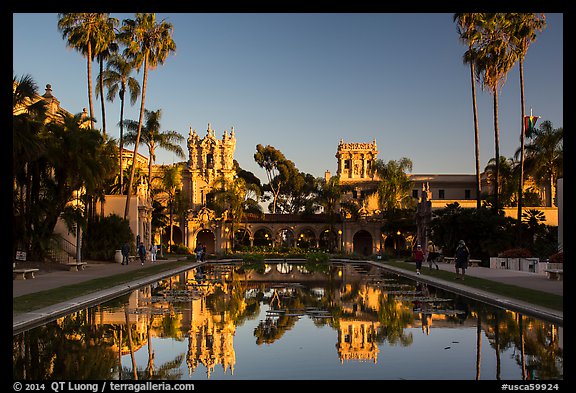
340, 240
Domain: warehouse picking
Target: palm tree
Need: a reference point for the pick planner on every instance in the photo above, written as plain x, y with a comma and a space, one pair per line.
524, 28
81, 30
494, 58
170, 183
235, 197
395, 185
545, 157
27, 149
148, 44
466, 23
152, 137
508, 180
117, 80
104, 46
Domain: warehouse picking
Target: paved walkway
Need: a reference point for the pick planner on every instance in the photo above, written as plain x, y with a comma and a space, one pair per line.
54, 279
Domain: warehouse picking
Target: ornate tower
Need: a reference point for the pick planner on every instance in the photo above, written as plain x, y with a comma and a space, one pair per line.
356, 169
209, 158
356, 161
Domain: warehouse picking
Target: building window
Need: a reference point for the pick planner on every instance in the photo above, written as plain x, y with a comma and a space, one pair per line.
354, 194
209, 160
441, 194
466, 194
415, 194
346, 164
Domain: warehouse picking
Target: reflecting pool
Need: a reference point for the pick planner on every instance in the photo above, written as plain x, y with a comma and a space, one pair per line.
290, 321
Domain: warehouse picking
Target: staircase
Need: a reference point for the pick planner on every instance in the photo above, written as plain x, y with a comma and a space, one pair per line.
64, 252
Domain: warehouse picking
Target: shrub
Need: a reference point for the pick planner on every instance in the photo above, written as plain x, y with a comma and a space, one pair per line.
104, 236
516, 253
317, 257
557, 257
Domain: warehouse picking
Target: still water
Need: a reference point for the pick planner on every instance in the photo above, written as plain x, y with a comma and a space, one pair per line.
290, 321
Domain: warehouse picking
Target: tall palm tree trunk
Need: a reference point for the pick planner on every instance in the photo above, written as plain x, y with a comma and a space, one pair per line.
90, 103
101, 82
476, 137
497, 152
133, 168
121, 147
522, 131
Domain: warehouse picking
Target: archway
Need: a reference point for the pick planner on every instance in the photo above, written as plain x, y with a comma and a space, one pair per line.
306, 239
362, 243
263, 238
328, 240
285, 238
241, 238
395, 242
206, 237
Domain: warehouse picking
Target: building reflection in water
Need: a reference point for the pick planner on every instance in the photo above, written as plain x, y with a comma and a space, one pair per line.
364, 305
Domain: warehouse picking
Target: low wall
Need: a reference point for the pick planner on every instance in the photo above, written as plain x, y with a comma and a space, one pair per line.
533, 265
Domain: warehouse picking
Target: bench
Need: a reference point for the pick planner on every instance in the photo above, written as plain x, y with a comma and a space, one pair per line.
554, 274
24, 274
75, 266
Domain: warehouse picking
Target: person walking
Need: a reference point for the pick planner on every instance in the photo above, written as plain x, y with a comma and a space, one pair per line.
418, 257
461, 258
142, 252
153, 251
203, 252
125, 253
431, 255
198, 252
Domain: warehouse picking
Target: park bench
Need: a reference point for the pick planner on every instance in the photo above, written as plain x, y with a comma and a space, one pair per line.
554, 274
75, 266
24, 274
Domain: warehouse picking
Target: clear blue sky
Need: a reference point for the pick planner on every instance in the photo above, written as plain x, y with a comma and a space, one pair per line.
302, 81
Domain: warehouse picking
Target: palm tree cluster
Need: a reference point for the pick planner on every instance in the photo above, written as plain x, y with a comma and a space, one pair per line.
146, 44
55, 156
496, 42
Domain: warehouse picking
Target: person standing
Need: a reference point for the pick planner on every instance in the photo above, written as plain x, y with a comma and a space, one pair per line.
153, 251
461, 258
125, 253
142, 252
431, 255
418, 257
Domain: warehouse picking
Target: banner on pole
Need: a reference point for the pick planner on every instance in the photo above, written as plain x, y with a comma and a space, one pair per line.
529, 124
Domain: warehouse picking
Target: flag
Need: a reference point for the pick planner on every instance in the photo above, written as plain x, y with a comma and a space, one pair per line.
529, 124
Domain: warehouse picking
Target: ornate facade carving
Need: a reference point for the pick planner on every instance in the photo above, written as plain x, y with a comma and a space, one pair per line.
209, 158
356, 161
